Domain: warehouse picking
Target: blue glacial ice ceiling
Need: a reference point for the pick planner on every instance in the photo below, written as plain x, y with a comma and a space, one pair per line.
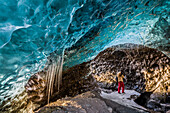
30, 30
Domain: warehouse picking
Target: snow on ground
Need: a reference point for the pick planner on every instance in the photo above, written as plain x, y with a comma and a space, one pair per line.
123, 99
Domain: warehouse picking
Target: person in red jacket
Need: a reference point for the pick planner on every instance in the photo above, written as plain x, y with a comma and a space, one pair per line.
120, 77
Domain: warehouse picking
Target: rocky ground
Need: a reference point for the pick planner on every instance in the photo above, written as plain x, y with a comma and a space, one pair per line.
88, 102
147, 72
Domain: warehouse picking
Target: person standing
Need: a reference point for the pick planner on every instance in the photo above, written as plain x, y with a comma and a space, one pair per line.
120, 77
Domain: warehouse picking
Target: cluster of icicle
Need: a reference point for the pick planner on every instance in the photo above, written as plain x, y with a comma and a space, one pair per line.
54, 76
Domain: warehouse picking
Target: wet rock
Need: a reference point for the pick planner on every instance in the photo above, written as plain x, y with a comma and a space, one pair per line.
151, 104
143, 98
133, 97
35, 88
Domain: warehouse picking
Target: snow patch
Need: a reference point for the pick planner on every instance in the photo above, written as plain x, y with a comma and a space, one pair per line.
124, 99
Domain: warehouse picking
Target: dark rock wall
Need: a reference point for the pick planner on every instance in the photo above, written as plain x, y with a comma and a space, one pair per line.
75, 81
138, 63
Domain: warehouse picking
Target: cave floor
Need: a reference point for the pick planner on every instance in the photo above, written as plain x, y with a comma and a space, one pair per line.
95, 102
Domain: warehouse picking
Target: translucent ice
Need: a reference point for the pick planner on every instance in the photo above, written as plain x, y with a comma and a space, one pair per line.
30, 30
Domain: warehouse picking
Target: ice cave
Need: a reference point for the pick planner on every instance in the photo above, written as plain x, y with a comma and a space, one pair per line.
63, 56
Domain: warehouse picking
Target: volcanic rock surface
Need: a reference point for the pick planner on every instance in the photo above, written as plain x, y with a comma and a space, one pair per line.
143, 67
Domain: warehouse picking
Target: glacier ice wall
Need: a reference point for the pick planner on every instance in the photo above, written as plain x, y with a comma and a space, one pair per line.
31, 30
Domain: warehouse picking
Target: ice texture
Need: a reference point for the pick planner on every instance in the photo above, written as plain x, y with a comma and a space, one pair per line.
30, 30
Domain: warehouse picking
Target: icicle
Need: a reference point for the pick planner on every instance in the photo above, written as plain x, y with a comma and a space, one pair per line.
49, 82
54, 76
60, 73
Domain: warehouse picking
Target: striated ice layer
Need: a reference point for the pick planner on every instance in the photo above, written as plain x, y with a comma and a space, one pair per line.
140, 22
30, 30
